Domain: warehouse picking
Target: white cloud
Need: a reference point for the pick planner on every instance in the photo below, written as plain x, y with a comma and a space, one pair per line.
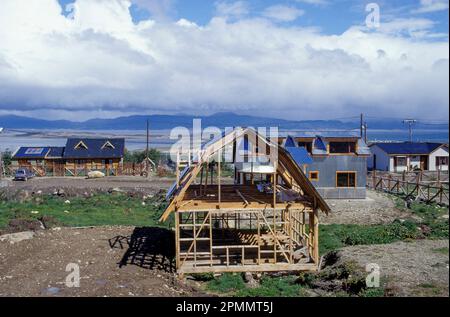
237, 9
282, 13
427, 6
314, 2
159, 9
101, 62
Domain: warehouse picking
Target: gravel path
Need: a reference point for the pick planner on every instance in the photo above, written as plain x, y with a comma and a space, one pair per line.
375, 209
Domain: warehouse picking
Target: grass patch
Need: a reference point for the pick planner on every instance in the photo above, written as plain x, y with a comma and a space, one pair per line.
443, 250
226, 283
274, 287
99, 210
336, 236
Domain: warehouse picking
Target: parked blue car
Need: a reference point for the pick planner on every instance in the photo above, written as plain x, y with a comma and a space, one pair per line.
23, 174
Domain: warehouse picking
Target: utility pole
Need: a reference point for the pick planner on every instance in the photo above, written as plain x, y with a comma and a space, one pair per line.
148, 137
365, 132
410, 123
361, 125
147, 159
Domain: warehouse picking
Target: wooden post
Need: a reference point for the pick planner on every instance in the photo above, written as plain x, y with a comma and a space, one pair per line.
201, 182
210, 237
374, 179
316, 236
218, 178
178, 170
194, 216
206, 177
177, 240
258, 240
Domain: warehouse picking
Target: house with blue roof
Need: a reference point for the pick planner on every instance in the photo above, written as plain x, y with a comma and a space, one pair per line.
78, 156
334, 161
408, 156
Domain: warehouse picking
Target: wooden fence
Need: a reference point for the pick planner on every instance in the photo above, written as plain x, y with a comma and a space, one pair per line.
81, 170
414, 187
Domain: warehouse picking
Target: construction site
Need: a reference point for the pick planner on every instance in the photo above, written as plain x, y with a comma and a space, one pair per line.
257, 226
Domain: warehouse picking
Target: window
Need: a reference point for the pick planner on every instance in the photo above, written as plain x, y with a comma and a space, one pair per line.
34, 151
306, 145
342, 147
81, 145
314, 176
345, 179
108, 145
441, 160
400, 161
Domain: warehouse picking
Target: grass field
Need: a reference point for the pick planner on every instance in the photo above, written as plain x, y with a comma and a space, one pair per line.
101, 209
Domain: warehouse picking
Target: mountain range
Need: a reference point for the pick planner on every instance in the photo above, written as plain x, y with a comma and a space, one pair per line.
221, 120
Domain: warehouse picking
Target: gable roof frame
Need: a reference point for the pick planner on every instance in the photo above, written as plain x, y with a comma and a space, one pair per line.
286, 163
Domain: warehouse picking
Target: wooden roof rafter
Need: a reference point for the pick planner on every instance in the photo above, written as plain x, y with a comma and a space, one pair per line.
284, 164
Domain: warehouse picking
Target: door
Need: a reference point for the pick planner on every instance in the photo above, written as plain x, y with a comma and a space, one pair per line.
424, 163
374, 161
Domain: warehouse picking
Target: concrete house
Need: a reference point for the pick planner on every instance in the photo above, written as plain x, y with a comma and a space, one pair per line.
335, 162
408, 156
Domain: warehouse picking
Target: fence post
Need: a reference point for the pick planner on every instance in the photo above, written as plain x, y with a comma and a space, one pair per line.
439, 176
374, 179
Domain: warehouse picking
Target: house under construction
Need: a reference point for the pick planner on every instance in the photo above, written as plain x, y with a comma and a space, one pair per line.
266, 220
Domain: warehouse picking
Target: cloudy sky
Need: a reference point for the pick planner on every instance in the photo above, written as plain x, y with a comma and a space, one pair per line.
297, 59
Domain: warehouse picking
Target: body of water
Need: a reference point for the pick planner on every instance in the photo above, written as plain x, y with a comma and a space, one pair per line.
160, 139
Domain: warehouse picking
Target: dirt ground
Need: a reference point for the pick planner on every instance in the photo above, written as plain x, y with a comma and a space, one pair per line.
37, 267
127, 261
123, 182
418, 268
375, 209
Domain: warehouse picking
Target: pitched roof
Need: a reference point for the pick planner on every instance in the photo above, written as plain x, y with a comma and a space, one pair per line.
56, 152
300, 155
286, 162
95, 148
408, 148
27, 152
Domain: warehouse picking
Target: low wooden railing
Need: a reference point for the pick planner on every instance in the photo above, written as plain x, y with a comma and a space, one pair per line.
427, 192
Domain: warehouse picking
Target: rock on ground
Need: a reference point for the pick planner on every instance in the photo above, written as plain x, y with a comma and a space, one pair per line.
17, 237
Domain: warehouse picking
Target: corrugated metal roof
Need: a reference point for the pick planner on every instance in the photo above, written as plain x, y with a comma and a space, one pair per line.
95, 148
408, 147
300, 155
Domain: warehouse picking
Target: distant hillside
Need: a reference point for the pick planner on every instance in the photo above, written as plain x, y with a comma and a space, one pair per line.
224, 119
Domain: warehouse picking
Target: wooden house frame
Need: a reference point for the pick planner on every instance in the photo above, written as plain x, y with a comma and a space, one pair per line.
236, 228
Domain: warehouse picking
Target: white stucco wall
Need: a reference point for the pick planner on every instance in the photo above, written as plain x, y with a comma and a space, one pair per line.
442, 151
